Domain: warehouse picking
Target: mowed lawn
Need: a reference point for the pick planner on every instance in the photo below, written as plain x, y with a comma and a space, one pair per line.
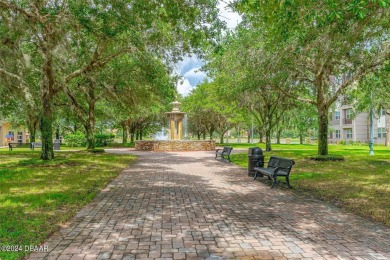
360, 184
36, 197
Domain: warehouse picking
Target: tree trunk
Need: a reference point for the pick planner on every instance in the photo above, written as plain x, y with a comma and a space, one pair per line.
124, 134
278, 134
90, 138
323, 125
140, 134
198, 135
211, 134
47, 95
32, 129
132, 137
300, 138
204, 136
90, 128
57, 133
387, 141
261, 137
268, 147
249, 136
221, 138
46, 129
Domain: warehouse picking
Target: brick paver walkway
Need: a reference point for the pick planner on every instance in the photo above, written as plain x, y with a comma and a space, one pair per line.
190, 206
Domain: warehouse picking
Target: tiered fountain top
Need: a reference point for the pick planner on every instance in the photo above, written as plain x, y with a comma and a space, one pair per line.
175, 108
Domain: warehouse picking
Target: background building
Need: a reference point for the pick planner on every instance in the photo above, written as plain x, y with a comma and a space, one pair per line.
345, 127
9, 134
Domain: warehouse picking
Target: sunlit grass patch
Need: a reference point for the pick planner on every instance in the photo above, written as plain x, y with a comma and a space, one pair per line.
37, 196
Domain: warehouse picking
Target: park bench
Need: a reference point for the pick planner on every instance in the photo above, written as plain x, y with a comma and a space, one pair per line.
223, 152
19, 145
276, 167
36, 145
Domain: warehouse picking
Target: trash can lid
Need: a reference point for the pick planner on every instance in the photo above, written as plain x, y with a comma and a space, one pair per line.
255, 151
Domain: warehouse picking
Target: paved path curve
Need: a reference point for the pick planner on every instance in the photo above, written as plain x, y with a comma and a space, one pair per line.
189, 206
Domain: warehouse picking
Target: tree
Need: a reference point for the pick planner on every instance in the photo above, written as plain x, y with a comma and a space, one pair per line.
316, 41
373, 89
302, 118
113, 29
252, 86
207, 112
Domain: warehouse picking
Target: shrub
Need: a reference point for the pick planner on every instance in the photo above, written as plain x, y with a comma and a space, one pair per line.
104, 139
96, 150
75, 140
120, 145
327, 158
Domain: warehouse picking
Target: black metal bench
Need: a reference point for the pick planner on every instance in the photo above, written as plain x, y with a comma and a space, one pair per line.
36, 145
223, 152
19, 145
276, 167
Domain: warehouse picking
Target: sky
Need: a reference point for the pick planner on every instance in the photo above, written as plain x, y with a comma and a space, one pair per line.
189, 67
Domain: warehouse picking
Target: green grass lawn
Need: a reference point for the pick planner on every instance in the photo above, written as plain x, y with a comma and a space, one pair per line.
360, 184
36, 197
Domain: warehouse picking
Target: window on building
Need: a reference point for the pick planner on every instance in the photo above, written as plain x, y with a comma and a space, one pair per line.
337, 132
381, 132
349, 133
20, 137
11, 136
348, 114
337, 115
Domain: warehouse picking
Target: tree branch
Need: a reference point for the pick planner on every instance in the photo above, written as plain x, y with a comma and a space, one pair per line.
22, 86
95, 63
288, 94
354, 78
13, 7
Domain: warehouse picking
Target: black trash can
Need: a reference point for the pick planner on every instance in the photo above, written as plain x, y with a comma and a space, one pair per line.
255, 159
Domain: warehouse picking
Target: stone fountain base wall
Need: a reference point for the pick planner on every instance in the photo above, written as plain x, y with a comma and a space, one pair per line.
174, 145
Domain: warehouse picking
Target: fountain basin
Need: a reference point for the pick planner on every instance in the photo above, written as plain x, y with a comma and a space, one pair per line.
174, 145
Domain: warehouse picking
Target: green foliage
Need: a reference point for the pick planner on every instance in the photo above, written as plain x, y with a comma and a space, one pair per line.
96, 150
104, 139
309, 51
75, 140
94, 50
121, 145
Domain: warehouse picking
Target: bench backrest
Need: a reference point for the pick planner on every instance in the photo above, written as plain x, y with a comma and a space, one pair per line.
36, 144
227, 149
284, 163
18, 145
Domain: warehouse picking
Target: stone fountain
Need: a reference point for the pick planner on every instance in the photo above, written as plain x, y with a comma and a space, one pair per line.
175, 133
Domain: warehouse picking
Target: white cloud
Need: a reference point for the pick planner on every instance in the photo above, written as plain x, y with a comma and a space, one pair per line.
189, 66
232, 19
184, 87
194, 72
